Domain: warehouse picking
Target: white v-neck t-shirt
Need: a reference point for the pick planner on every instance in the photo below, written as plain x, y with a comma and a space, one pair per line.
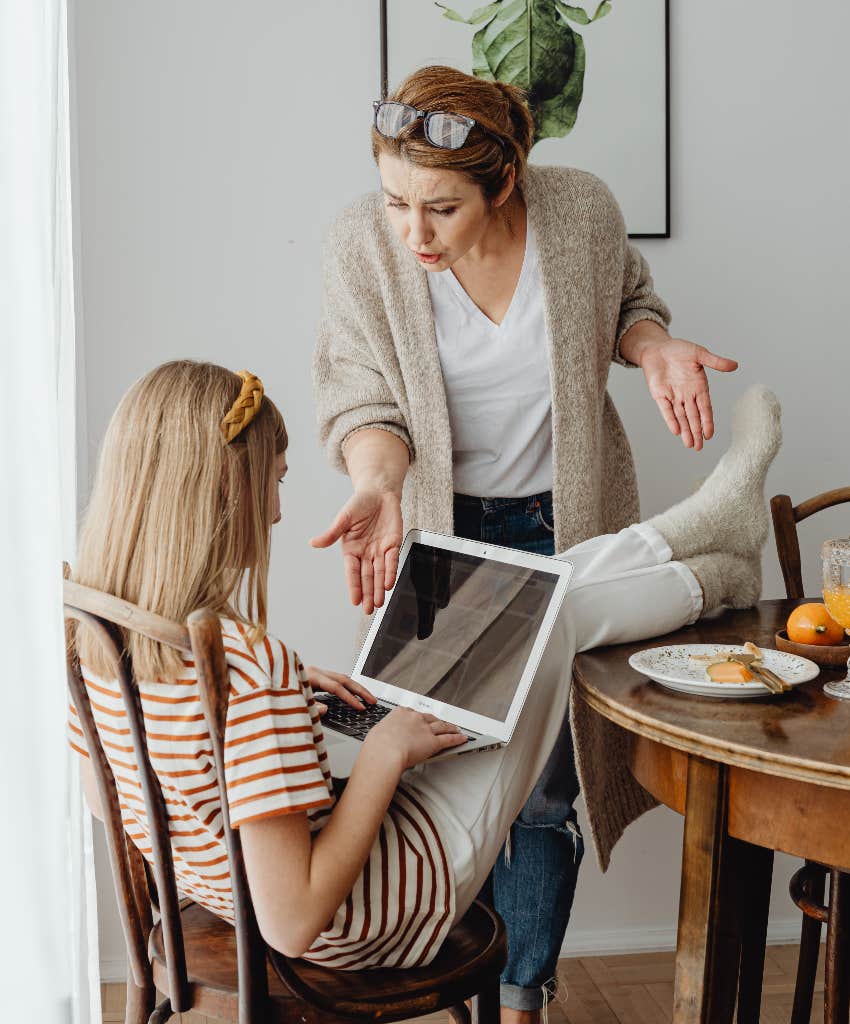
497, 385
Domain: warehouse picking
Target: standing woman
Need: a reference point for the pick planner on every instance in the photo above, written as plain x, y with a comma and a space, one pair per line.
472, 309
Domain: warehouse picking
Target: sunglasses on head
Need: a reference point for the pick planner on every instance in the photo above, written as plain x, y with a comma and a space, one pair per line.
442, 129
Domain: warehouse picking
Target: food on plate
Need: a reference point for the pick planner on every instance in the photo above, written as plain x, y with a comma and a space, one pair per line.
729, 672
812, 624
740, 667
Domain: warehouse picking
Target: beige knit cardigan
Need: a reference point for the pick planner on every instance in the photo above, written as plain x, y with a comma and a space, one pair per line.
376, 364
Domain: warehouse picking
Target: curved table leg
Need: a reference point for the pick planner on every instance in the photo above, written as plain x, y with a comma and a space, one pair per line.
709, 945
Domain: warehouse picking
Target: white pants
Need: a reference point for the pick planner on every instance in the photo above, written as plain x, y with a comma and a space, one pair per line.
624, 588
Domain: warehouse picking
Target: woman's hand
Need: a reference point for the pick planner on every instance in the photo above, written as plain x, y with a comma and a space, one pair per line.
675, 374
413, 737
324, 681
369, 526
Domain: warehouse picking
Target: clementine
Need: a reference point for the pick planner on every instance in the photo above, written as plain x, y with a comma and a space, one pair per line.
812, 624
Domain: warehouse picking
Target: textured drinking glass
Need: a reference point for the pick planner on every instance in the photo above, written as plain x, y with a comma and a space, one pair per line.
836, 596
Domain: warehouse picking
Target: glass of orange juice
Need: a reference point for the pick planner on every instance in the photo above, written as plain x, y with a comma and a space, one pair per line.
836, 596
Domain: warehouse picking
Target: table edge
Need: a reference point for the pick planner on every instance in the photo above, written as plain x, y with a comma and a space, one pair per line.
691, 742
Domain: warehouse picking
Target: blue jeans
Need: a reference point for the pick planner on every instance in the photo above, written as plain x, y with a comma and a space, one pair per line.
533, 882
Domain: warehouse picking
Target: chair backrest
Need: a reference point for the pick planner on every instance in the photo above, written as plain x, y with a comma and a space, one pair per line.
109, 617
785, 519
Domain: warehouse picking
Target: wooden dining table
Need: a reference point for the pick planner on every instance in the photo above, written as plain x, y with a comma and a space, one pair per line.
750, 777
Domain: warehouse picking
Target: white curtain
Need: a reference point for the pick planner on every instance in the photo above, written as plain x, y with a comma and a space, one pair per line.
48, 939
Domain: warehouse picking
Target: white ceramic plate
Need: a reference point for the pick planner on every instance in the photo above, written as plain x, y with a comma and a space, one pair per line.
672, 667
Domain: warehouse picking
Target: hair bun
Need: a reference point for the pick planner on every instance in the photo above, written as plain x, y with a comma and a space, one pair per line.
522, 123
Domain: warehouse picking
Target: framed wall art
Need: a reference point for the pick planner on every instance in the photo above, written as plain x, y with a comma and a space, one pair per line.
596, 75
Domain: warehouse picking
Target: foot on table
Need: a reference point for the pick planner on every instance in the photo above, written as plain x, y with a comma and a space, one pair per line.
729, 512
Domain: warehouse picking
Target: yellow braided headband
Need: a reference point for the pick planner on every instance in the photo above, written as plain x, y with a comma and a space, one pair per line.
244, 409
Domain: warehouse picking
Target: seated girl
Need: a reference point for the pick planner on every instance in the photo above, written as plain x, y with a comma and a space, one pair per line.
180, 518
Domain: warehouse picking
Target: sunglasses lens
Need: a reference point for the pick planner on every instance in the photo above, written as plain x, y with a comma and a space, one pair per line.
447, 131
391, 118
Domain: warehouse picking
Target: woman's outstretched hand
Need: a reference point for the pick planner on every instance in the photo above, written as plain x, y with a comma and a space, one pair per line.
676, 377
675, 373
369, 526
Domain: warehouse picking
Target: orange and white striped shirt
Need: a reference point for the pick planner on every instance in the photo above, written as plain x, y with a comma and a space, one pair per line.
402, 905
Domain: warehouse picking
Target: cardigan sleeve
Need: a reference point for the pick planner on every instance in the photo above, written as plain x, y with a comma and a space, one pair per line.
351, 392
640, 300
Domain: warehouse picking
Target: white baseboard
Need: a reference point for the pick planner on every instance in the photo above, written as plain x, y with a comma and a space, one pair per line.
617, 941
590, 942
113, 970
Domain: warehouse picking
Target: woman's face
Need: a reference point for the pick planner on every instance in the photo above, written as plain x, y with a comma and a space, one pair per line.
438, 215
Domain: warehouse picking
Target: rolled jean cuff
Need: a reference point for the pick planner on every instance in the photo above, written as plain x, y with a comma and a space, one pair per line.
515, 997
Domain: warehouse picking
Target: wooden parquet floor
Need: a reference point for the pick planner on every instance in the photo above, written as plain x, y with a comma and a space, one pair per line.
633, 989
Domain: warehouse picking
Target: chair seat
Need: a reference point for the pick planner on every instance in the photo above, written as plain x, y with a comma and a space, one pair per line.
475, 949
210, 945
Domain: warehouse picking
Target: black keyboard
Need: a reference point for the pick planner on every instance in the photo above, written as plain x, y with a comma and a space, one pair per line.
348, 720
352, 721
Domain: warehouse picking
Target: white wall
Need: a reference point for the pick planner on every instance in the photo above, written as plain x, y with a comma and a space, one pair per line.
217, 141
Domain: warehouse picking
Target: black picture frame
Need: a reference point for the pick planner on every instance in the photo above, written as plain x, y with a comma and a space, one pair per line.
666, 233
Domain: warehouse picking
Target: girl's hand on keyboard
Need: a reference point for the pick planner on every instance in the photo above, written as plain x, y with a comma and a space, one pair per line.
414, 736
323, 680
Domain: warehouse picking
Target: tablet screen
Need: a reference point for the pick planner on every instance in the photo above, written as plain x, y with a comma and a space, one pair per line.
460, 628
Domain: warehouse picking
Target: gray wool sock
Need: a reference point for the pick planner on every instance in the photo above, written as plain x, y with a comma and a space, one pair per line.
726, 579
729, 512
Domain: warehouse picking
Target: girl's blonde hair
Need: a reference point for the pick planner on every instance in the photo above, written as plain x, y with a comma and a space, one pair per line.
176, 520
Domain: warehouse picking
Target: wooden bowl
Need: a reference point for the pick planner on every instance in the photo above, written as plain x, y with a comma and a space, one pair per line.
822, 654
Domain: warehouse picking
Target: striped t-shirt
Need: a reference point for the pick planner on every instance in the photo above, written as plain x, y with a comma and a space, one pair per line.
402, 905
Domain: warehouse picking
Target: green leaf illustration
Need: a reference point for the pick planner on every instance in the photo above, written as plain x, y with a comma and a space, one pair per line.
531, 44
477, 16
577, 14
556, 117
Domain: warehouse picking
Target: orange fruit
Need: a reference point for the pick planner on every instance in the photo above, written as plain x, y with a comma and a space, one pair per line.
812, 624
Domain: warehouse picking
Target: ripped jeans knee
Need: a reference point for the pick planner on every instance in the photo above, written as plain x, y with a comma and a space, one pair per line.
568, 829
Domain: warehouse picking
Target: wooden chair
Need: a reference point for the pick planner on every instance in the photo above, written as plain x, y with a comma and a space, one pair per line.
201, 962
808, 885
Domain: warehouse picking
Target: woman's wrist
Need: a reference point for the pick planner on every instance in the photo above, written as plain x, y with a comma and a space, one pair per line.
376, 483
377, 461
643, 337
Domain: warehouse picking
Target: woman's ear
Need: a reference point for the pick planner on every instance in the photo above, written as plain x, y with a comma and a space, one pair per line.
508, 183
